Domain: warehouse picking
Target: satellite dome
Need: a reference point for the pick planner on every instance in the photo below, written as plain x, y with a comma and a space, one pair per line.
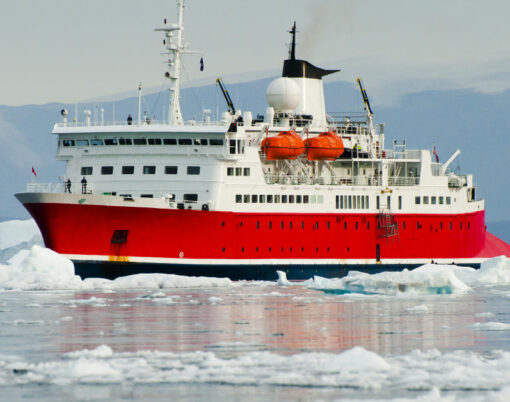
283, 94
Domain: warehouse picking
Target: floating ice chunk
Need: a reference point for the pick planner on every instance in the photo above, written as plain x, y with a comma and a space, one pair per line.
101, 351
282, 279
495, 271
427, 279
491, 326
421, 309
41, 269
215, 300
485, 314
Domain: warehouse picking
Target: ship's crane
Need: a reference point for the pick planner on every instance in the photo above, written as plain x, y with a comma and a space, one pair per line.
230, 105
365, 98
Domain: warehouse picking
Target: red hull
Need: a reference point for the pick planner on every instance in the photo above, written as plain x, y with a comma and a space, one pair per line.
171, 233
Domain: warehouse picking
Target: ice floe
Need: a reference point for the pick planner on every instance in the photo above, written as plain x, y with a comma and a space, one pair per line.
355, 369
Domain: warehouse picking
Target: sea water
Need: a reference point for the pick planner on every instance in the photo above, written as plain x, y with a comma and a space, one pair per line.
435, 333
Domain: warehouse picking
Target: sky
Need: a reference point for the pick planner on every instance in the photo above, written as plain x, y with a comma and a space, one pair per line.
74, 50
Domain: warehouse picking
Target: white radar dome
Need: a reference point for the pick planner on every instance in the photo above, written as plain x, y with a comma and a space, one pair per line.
283, 94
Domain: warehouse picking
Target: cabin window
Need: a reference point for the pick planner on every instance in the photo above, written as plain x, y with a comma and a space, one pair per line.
270, 198
366, 202
232, 146
154, 141
262, 198
139, 141
448, 200
239, 171
284, 199
441, 200
128, 169
110, 141
190, 197
399, 202
254, 199
230, 171
417, 200
291, 199
149, 169
96, 141
299, 199
277, 198
337, 202
239, 198
86, 170
306, 199
433, 200
378, 202
106, 169
246, 172
170, 141
388, 202
147, 195
82, 143
240, 146
425, 200
125, 141
216, 142
246, 198
171, 169
184, 141
193, 170
68, 143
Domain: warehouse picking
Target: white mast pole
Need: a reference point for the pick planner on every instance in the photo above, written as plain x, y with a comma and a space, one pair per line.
139, 103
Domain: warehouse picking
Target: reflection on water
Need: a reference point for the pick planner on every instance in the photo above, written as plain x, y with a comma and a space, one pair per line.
247, 318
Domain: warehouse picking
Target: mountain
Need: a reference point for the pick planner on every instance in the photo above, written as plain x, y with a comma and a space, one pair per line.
476, 123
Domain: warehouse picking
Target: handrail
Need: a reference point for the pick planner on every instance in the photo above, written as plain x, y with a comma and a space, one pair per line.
61, 187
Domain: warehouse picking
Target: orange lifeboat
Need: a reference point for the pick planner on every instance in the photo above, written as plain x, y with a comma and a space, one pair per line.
285, 145
325, 147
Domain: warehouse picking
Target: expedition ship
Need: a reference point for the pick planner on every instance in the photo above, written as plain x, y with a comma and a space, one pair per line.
297, 190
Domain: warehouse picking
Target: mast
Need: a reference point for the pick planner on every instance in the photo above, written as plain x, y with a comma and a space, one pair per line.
175, 48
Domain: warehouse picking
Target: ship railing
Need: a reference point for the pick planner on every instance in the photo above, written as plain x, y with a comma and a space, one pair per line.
327, 181
406, 154
61, 187
134, 123
403, 181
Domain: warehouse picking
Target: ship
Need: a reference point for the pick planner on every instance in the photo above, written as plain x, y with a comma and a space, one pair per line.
297, 189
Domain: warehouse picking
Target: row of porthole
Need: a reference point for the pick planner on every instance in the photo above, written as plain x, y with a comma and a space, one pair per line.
270, 249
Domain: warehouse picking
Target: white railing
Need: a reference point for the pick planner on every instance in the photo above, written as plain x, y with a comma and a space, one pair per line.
403, 181
134, 123
407, 154
62, 187
328, 181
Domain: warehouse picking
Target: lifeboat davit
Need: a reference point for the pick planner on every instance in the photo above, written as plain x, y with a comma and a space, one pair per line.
325, 147
285, 145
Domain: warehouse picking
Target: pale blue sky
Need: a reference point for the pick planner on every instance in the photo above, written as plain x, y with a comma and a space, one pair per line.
73, 50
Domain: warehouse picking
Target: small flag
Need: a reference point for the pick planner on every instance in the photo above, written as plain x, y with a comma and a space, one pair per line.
33, 171
435, 153
201, 64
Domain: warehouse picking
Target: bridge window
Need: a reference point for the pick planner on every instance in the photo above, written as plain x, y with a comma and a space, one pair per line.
184, 141
110, 141
106, 169
193, 170
86, 170
216, 142
68, 143
149, 169
171, 169
128, 169
139, 141
170, 141
154, 141
125, 141
147, 195
82, 143
96, 141
232, 146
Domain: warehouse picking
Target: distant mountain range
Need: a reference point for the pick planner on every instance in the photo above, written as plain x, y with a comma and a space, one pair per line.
477, 123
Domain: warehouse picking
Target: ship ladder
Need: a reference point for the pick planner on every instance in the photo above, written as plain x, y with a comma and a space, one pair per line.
388, 227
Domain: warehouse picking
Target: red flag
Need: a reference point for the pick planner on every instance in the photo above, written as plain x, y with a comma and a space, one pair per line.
435, 153
33, 171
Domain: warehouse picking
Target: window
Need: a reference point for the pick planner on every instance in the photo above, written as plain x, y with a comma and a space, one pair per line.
448, 200
171, 169
246, 172
230, 171
190, 197
433, 200
378, 202
170, 141
125, 141
246, 198
270, 226
262, 198
154, 141
184, 141
232, 146
306, 199
106, 169
269, 198
193, 170
441, 200
139, 141
200, 141
258, 225
400, 202
110, 141
337, 198
239, 198
425, 200
299, 199
417, 200
254, 199
82, 143
128, 169
146, 195
239, 171
95, 142
291, 199
284, 199
277, 198
149, 169
216, 142
68, 143
366, 202
86, 170
388, 201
